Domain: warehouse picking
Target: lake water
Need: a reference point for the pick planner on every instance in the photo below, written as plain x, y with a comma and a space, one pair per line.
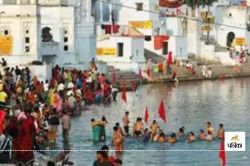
188, 104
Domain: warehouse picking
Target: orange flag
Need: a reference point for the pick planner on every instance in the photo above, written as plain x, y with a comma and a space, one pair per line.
146, 116
161, 112
124, 93
222, 153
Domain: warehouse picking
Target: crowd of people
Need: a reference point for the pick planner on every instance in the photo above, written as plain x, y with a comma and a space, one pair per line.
32, 110
147, 135
240, 56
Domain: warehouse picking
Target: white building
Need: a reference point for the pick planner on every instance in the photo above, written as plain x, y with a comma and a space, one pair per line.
55, 31
234, 23
143, 16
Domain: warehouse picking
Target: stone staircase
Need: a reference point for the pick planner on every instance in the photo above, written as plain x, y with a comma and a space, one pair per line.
129, 77
218, 71
151, 55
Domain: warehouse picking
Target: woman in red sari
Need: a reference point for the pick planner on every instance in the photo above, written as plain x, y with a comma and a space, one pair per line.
24, 140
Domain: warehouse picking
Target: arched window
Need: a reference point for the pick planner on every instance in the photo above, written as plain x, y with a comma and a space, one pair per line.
230, 38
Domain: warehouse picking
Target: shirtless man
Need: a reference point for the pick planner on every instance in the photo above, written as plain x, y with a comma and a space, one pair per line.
117, 140
209, 132
125, 120
221, 131
138, 127
119, 128
153, 129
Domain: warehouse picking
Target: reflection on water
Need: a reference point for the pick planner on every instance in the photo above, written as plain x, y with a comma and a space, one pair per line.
189, 104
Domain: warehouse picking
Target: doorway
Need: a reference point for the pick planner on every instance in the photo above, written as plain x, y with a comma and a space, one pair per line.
230, 38
120, 49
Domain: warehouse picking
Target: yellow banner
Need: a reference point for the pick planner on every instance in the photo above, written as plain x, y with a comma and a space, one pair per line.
142, 24
5, 45
239, 41
106, 51
205, 28
209, 19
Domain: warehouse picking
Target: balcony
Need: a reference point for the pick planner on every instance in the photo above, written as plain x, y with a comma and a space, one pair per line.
49, 49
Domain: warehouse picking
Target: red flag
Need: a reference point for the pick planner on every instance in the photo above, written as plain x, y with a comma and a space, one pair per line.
2, 118
161, 112
124, 95
222, 153
146, 116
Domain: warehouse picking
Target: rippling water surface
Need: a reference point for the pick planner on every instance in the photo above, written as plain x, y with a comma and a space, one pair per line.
188, 104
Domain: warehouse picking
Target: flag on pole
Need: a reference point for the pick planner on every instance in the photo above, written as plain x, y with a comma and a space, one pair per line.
161, 112
146, 115
124, 94
2, 118
222, 153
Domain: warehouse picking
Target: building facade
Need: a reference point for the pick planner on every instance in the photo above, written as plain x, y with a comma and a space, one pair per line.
235, 25
54, 31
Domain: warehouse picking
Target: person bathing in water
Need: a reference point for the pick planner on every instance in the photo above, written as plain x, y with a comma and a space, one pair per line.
126, 122
181, 133
172, 139
202, 135
191, 137
117, 140
209, 132
153, 129
98, 127
221, 131
138, 127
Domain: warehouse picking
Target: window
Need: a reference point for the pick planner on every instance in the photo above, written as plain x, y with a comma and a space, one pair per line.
66, 48
27, 49
27, 40
139, 6
65, 39
27, 32
6, 32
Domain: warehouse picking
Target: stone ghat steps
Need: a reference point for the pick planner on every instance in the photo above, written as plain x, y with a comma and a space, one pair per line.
130, 79
218, 72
